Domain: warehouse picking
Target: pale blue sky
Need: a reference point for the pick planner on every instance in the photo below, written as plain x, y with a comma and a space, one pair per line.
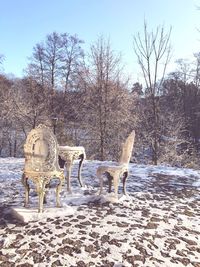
23, 23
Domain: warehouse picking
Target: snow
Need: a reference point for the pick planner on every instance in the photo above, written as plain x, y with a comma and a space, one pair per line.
156, 224
31, 214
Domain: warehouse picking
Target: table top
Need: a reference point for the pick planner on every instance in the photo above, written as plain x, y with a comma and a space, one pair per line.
70, 153
71, 148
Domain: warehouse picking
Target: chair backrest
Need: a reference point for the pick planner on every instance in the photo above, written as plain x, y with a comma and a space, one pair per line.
41, 150
127, 149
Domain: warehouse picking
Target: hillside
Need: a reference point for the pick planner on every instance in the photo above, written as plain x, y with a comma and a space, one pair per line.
157, 224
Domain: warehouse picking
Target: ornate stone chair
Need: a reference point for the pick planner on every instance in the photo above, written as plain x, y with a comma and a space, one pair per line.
41, 163
114, 172
67, 155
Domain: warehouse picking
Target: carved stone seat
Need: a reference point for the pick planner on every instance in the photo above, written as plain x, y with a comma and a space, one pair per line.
68, 154
120, 169
41, 163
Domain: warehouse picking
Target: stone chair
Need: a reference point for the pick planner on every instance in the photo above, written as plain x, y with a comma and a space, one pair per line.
120, 169
41, 163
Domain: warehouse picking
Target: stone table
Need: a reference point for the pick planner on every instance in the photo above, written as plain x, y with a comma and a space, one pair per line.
68, 154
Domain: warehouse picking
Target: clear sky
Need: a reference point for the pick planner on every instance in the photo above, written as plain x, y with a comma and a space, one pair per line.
23, 23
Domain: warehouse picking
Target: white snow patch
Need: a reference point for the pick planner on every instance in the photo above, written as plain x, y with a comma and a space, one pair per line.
31, 214
148, 217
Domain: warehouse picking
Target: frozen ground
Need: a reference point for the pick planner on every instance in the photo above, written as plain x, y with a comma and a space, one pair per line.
157, 224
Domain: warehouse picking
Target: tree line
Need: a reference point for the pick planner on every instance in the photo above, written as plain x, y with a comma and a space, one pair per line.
88, 100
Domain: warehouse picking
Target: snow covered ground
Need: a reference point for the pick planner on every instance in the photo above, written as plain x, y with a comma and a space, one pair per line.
157, 224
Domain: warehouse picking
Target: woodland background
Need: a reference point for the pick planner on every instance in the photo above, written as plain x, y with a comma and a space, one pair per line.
88, 100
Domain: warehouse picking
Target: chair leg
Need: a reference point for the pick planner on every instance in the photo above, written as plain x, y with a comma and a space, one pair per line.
40, 208
116, 183
58, 190
100, 178
40, 187
27, 189
110, 178
68, 168
125, 175
79, 170
45, 199
41, 201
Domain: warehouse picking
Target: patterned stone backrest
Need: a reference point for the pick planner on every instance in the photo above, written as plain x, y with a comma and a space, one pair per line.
127, 149
41, 150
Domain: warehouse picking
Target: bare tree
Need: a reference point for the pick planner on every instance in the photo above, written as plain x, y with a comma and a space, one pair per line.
5, 113
38, 68
1, 59
52, 57
55, 62
44, 63
153, 53
196, 70
30, 103
107, 105
187, 80
71, 60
